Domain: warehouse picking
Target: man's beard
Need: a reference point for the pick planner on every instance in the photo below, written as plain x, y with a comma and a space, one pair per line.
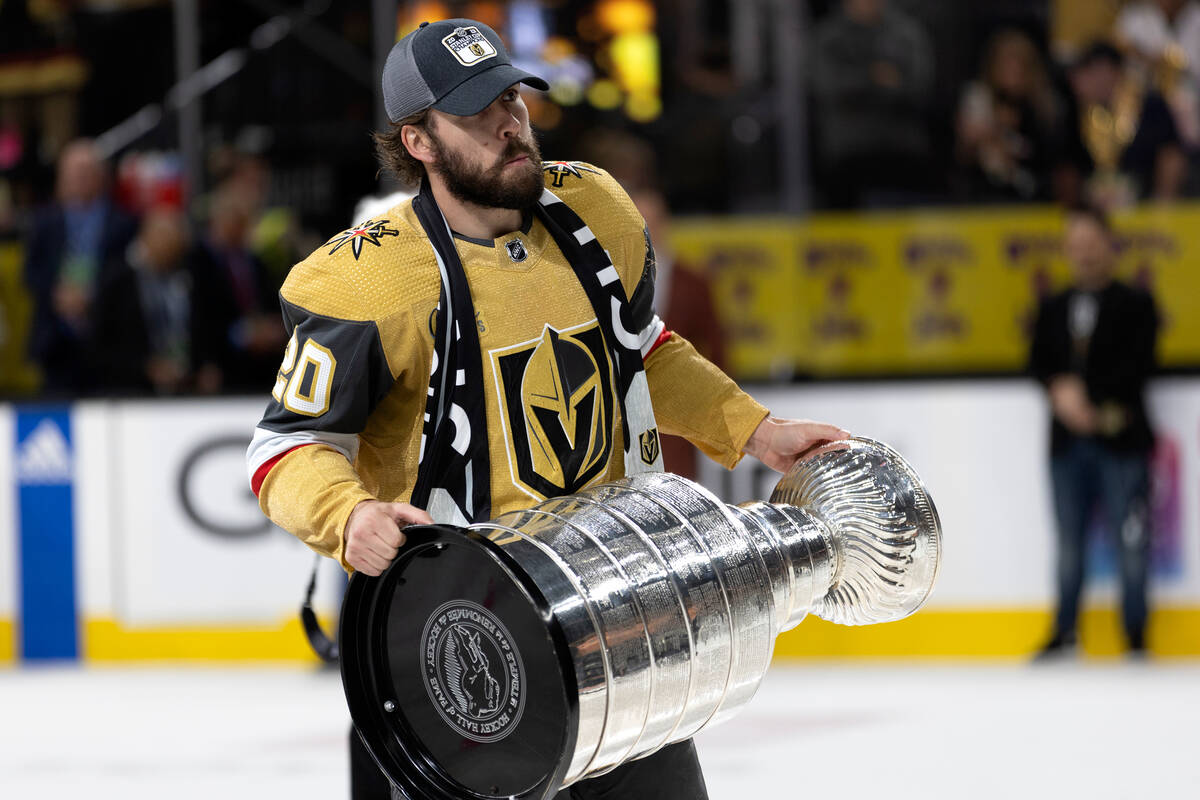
491, 188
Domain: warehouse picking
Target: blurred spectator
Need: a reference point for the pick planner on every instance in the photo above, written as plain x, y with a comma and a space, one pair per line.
1093, 350
1006, 123
683, 295
1122, 143
243, 334
1163, 37
276, 236
872, 75
145, 320
68, 243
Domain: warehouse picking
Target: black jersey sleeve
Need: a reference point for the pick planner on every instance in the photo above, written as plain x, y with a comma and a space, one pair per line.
334, 373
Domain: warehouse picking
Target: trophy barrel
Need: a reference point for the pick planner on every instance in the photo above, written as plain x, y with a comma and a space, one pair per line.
680, 601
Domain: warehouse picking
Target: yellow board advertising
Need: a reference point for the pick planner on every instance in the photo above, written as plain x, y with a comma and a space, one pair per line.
922, 292
17, 375
750, 264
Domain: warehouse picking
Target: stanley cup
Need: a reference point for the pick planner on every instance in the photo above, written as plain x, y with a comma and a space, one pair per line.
520, 655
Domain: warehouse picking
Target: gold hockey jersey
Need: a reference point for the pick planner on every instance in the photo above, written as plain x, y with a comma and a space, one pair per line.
346, 416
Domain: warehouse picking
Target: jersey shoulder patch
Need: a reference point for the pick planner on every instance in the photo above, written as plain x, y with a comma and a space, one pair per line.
558, 173
378, 235
368, 271
366, 234
586, 187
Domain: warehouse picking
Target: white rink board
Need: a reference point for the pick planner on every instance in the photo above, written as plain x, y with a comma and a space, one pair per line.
173, 535
144, 560
97, 517
981, 448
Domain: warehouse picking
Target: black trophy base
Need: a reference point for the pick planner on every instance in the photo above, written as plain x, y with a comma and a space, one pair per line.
458, 679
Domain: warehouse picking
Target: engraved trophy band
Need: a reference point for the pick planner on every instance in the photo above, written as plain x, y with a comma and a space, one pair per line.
515, 657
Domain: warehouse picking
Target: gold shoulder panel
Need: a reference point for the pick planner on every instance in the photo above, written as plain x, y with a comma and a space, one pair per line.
372, 270
606, 208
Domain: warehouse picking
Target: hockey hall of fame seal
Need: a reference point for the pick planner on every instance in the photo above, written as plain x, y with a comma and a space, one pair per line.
472, 671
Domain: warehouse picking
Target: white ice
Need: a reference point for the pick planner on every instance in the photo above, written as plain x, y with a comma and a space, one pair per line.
1089, 730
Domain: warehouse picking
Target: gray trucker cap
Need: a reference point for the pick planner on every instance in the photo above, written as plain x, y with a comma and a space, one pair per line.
458, 66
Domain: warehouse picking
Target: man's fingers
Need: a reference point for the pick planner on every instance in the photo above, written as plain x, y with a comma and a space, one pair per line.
821, 430
388, 532
408, 514
381, 544
373, 537
374, 565
366, 562
363, 566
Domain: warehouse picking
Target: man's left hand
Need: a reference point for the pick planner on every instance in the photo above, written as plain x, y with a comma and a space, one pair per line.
779, 442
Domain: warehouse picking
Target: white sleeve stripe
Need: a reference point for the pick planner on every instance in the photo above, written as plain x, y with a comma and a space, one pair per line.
267, 444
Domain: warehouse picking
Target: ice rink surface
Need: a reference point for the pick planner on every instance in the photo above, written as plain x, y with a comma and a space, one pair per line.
1075, 730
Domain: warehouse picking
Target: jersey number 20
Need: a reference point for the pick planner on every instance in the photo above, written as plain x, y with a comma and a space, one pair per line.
303, 388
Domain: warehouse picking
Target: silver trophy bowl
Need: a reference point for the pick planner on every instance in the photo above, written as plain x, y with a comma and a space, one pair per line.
520, 655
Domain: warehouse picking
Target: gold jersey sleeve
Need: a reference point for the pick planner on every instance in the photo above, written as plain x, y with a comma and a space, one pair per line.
694, 399
364, 297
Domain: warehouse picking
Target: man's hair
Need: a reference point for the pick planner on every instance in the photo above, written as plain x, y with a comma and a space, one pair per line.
1094, 213
394, 156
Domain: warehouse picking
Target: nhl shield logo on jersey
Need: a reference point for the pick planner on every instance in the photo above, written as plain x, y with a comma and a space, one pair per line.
559, 170
516, 250
649, 445
469, 46
557, 400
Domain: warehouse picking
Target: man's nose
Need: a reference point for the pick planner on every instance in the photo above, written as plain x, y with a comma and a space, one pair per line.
510, 126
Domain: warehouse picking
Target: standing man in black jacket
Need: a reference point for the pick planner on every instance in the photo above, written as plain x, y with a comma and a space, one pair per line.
69, 244
1093, 350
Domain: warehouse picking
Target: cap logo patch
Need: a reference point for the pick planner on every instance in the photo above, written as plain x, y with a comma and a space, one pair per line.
469, 46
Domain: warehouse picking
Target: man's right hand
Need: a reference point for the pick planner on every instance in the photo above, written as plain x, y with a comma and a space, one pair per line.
373, 534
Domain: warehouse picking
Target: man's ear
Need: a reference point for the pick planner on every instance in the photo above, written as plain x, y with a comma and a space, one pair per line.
419, 143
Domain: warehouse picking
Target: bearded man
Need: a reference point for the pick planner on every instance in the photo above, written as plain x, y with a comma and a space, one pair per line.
483, 346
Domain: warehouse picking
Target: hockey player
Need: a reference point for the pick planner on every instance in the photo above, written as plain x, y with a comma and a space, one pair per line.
487, 344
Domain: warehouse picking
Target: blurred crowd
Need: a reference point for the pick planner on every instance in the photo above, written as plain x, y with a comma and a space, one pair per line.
132, 293
1111, 123
117, 278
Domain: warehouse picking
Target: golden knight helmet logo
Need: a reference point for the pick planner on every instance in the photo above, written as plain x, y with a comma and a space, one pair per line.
563, 409
558, 400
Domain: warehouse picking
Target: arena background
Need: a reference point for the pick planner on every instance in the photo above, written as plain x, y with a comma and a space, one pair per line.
131, 546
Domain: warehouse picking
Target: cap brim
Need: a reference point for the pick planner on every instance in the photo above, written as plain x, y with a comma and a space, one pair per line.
477, 92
